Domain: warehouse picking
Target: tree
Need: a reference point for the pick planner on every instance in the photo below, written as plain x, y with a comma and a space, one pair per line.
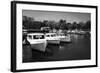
27, 21
62, 24
87, 25
45, 23
74, 26
69, 26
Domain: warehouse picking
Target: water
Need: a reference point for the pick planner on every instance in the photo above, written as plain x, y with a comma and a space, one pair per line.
78, 49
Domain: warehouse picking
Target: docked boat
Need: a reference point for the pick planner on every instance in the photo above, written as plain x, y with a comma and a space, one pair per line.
64, 38
37, 41
82, 32
52, 38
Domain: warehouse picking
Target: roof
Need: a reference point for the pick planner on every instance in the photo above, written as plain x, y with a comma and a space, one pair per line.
50, 33
35, 34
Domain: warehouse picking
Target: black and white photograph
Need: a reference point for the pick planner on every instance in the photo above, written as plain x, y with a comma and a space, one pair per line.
54, 36
47, 36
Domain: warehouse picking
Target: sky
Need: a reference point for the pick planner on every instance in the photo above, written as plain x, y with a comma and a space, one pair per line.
56, 16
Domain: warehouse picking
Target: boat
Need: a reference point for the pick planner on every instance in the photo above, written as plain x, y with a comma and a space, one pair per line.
52, 38
45, 29
82, 32
37, 41
64, 37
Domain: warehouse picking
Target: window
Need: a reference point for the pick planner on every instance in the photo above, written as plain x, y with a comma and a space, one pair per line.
42, 37
38, 36
29, 36
47, 35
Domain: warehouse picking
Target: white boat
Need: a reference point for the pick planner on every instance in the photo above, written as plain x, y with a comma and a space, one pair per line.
64, 38
52, 38
82, 32
37, 41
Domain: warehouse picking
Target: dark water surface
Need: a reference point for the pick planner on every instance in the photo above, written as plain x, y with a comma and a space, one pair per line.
78, 49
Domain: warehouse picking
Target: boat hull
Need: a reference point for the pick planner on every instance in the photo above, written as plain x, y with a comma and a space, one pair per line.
65, 40
39, 46
53, 41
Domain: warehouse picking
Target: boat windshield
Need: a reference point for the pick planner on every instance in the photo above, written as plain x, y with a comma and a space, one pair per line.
53, 35
38, 36
47, 35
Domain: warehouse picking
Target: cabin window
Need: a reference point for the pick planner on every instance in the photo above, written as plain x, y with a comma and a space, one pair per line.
42, 37
54, 35
29, 36
51, 35
38, 36
35, 37
48, 35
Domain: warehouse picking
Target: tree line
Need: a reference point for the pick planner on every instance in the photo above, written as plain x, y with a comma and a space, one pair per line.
31, 23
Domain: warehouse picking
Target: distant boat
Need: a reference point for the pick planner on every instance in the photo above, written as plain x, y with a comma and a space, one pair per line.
64, 38
37, 41
82, 32
45, 29
52, 38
